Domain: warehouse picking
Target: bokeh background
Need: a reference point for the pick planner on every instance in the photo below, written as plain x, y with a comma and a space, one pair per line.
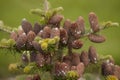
13, 11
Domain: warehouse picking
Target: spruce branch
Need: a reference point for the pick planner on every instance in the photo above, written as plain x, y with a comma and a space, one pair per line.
105, 25
5, 28
46, 6
4, 47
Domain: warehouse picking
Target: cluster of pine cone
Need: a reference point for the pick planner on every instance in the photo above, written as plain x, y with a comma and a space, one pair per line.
108, 67
76, 62
40, 39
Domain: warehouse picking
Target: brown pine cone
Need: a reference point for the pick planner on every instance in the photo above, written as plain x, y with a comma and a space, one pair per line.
61, 69
75, 59
75, 30
26, 26
117, 71
57, 69
63, 36
40, 60
107, 68
67, 25
37, 28
47, 58
76, 44
37, 46
80, 69
67, 59
93, 19
30, 36
64, 68
40, 34
74, 68
21, 41
81, 24
55, 32
56, 19
84, 58
20, 32
92, 54
14, 36
46, 32
96, 38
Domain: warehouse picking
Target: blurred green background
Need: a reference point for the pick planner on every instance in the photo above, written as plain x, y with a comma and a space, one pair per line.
13, 11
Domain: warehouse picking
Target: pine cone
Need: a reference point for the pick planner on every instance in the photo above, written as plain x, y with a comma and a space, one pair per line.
14, 36
92, 54
117, 71
107, 69
67, 59
80, 69
37, 46
81, 24
56, 19
20, 31
30, 36
55, 32
40, 34
26, 26
93, 19
40, 60
67, 25
74, 68
63, 36
75, 30
84, 58
21, 41
46, 32
96, 38
37, 28
76, 44
61, 69
75, 59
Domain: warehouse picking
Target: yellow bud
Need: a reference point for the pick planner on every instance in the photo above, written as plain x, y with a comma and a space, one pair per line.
3, 42
51, 41
11, 42
111, 77
44, 46
12, 67
40, 41
46, 40
57, 38
37, 38
72, 74
27, 69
